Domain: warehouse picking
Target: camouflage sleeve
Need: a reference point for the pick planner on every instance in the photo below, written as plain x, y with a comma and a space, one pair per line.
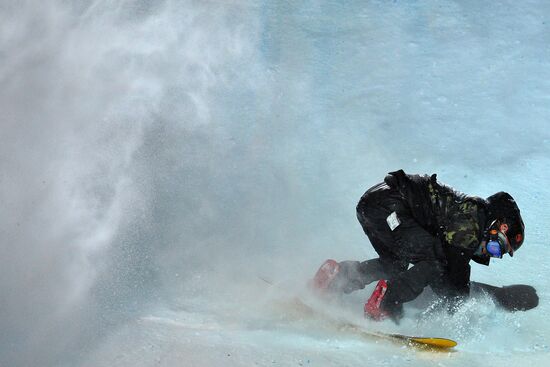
463, 227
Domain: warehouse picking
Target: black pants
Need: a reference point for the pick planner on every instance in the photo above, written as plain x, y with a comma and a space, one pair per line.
406, 244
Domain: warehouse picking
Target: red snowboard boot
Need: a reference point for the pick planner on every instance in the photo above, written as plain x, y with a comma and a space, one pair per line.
325, 276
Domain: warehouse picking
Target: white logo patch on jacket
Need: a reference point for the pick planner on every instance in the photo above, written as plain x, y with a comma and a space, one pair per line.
393, 221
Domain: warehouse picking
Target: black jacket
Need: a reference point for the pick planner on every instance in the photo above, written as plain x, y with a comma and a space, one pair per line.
458, 221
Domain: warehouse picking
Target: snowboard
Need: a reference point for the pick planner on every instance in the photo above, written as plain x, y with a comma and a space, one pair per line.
418, 342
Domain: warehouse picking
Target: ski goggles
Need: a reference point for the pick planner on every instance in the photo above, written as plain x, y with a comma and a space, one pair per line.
498, 243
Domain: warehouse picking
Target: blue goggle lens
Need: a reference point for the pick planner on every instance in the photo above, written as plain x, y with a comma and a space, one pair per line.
494, 249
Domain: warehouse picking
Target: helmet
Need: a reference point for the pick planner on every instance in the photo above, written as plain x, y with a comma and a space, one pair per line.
503, 208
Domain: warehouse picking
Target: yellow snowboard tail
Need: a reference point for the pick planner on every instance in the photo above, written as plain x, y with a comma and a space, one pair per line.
442, 343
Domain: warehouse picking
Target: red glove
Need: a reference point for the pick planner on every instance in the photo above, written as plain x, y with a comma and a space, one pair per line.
373, 307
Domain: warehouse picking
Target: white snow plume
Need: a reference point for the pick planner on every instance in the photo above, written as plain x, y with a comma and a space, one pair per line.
93, 95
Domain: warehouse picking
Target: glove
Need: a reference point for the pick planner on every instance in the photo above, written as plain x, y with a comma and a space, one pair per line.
378, 308
518, 297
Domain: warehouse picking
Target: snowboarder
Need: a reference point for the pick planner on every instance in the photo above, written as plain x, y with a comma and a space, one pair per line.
416, 220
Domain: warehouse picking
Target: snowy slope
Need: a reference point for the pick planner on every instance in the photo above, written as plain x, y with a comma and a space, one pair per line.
159, 156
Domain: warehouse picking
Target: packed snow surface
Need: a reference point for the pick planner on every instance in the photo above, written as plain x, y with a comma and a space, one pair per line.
160, 157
